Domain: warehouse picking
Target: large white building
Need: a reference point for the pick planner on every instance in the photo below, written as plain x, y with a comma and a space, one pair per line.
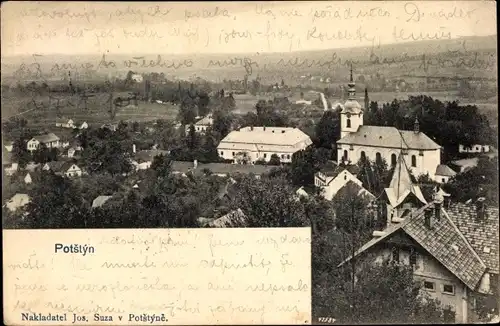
375, 142
260, 143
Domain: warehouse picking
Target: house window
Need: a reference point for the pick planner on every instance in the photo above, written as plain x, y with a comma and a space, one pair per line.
413, 161
348, 123
429, 286
363, 155
265, 155
288, 156
378, 158
282, 156
448, 289
395, 255
393, 159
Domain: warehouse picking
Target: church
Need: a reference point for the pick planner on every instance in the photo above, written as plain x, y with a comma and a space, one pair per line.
380, 142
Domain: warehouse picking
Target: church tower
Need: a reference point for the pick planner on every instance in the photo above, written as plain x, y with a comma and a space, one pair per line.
351, 116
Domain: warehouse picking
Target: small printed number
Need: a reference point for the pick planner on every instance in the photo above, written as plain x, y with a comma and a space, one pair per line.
326, 319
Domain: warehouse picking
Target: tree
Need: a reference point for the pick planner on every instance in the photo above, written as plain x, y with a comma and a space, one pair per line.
192, 141
328, 129
269, 202
274, 160
55, 203
306, 163
41, 154
222, 124
20, 152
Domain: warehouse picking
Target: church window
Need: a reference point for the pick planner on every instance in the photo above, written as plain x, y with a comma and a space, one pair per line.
363, 155
443, 180
393, 159
413, 161
421, 153
265, 155
348, 123
345, 155
378, 158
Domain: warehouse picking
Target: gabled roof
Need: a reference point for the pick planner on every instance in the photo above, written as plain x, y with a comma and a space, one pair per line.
401, 185
389, 137
60, 166
205, 121
360, 191
233, 219
445, 170
100, 200
47, 138
443, 241
482, 234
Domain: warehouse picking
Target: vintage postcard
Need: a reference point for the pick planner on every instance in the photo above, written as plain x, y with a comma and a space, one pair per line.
249, 163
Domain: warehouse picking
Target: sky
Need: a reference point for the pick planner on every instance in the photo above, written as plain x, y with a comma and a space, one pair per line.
233, 27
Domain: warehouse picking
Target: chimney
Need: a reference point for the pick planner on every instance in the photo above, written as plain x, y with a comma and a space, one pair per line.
264, 128
481, 208
428, 217
251, 128
133, 148
416, 127
438, 199
195, 164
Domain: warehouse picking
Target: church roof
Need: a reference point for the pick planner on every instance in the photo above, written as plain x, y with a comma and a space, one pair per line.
401, 185
389, 137
352, 106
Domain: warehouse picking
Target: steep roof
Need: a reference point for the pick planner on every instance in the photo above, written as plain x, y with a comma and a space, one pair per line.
443, 241
47, 138
445, 170
278, 136
360, 190
60, 166
401, 185
482, 234
389, 137
329, 169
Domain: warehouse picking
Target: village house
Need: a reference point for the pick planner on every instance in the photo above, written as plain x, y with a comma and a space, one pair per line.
358, 141
8, 145
332, 177
465, 164
28, 179
8, 165
233, 219
453, 251
50, 140
142, 160
202, 125
65, 123
84, 125
64, 168
137, 78
473, 148
444, 173
260, 143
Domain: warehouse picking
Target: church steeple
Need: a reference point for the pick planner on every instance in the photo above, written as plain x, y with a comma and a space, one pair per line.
352, 89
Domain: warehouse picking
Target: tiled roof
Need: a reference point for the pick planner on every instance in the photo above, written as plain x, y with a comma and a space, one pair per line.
233, 219
47, 138
443, 241
331, 169
480, 233
60, 166
445, 170
389, 137
448, 245
259, 136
